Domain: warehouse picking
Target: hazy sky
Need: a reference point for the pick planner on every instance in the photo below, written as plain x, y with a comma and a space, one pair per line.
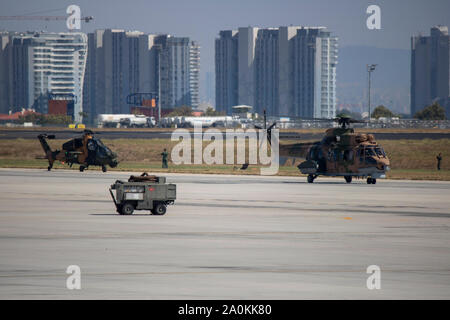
201, 20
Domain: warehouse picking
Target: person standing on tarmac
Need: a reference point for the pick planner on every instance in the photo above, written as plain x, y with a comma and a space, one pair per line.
439, 159
164, 155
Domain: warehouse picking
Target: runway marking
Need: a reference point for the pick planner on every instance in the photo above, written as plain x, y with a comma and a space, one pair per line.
329, 210
324, 236
234, 270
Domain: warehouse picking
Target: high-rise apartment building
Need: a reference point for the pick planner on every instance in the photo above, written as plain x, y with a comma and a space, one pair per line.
194, 73
121, 63
226, 60
5, 40
288, 71
430, 68
35, 65
180, 65
113, 70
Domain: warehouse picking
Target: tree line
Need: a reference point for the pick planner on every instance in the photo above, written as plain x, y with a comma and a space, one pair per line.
431, 112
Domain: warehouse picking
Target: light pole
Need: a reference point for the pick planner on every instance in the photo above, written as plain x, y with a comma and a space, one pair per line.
370, 69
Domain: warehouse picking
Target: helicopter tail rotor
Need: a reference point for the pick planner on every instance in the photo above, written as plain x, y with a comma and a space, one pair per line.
49, 154
269, 135
268, 129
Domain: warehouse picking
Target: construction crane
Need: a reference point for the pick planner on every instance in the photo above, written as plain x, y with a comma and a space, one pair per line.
46, 18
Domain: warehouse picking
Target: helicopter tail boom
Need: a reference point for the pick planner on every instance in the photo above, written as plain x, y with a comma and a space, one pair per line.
49, 154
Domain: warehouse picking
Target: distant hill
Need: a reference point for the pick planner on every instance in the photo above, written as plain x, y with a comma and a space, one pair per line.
390, 80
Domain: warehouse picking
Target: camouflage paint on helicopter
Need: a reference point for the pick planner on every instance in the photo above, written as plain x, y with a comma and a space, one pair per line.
341, 152
86, 151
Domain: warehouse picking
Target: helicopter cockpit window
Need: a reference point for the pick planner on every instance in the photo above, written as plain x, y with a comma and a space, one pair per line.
320, 154
102, 150
91, 145
348, 155
370, 152
336, 154
313, 154
380, 152
369, 156
370, 160
99, 142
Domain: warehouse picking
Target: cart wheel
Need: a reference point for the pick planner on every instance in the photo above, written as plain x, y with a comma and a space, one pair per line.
127, 209
160, 209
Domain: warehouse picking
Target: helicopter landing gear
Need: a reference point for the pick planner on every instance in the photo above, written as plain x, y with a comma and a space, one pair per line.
82, 168
348, 179
104, 169
311, 178
371, 180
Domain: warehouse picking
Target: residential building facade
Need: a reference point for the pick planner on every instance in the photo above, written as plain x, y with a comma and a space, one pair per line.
180, 66
37, 65
5, 106
288, 71
121, 63
226, 70
113, 70
430, 68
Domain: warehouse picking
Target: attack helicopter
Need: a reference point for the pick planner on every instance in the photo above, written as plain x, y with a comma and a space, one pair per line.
341, 152
85, 151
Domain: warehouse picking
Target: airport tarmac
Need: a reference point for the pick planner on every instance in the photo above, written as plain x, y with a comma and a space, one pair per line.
226, 237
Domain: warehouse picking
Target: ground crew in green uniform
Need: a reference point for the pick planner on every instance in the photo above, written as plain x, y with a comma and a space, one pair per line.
164, 155
439, 159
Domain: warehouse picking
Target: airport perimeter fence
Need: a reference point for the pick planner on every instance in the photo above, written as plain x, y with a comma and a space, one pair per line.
374, 124
302, 124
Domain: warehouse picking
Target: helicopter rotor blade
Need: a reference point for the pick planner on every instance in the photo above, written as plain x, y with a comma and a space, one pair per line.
47, 136
86, 131
358, 121
273, 125
265, 119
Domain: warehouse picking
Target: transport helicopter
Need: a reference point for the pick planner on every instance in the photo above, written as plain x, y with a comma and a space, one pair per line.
85, 151
341, 152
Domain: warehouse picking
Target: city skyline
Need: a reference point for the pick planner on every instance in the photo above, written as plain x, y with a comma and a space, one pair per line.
202, 20
97, 72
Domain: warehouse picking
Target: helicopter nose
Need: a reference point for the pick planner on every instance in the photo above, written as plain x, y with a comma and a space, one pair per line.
114, 163
383, 166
